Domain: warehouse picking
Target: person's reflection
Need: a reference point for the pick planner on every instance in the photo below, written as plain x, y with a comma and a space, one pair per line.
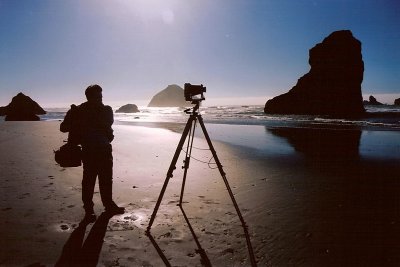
79, 253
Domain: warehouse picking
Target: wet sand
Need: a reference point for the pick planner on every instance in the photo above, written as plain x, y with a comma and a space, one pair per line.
306, 202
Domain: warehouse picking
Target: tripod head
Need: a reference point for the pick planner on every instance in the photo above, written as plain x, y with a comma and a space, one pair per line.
194, 94
195, 109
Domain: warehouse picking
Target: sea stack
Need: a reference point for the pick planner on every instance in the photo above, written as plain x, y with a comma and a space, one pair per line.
332, 86
373, 101
22, 108
128, 108
172, 96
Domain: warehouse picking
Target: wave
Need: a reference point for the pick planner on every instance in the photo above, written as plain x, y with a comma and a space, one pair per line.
385, 117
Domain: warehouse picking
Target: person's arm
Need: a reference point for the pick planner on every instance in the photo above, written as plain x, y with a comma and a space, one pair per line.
65, 125
109, 116
109, 120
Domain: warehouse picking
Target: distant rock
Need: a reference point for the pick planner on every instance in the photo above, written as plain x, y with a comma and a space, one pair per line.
372, 101
397, 102
172, 96
128, 108
22, 108
333, 84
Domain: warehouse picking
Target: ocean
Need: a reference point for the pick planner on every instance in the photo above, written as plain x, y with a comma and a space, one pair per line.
383, 117
249, 128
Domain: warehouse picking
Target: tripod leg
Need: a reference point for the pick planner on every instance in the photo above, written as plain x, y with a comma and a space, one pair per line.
187, 158
171, 169
214, 153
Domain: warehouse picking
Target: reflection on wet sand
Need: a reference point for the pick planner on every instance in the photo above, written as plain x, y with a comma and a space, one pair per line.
322, 143
349, 204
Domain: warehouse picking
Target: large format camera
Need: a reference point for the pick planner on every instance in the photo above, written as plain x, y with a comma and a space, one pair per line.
191, 91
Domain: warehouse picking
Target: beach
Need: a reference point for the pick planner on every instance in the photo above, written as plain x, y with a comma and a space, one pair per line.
309, 196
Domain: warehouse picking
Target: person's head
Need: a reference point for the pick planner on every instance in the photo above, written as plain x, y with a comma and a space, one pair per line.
93, 93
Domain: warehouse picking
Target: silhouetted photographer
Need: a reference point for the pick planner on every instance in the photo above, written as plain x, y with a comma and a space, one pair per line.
89, 124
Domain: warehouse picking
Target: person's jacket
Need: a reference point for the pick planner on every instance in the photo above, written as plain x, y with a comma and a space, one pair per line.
89, 124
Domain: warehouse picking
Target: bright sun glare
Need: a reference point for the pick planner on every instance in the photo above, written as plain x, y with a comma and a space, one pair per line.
151, 9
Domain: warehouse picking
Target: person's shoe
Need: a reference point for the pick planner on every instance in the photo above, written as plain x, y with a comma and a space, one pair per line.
114, 209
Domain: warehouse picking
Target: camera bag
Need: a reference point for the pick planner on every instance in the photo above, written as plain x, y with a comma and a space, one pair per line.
69, 155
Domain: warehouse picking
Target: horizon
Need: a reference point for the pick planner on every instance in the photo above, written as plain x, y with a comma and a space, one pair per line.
387, 99
52, 50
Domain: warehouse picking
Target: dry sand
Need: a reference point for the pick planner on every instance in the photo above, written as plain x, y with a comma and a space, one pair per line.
300, 212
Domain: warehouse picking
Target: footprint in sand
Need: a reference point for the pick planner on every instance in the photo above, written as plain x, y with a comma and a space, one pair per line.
64, 227
131, 217
228, 251
167, 235
209, 201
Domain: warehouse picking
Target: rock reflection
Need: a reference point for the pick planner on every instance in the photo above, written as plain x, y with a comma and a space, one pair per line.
321, 143
343, 204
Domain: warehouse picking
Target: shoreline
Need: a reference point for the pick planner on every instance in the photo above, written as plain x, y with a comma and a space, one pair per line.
387, 119
304, 204
259, 137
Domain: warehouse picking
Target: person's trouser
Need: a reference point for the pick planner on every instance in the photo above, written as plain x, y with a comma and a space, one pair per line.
97, 161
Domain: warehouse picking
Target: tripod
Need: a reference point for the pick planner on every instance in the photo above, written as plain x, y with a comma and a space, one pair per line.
188, 132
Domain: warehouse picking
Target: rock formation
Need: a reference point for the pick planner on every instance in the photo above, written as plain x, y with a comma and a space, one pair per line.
128, 108
3, 111
397, 102
372, 101
22, 108
172, 96
333, 84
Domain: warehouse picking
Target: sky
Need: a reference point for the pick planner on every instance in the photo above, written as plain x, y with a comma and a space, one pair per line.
243, 51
